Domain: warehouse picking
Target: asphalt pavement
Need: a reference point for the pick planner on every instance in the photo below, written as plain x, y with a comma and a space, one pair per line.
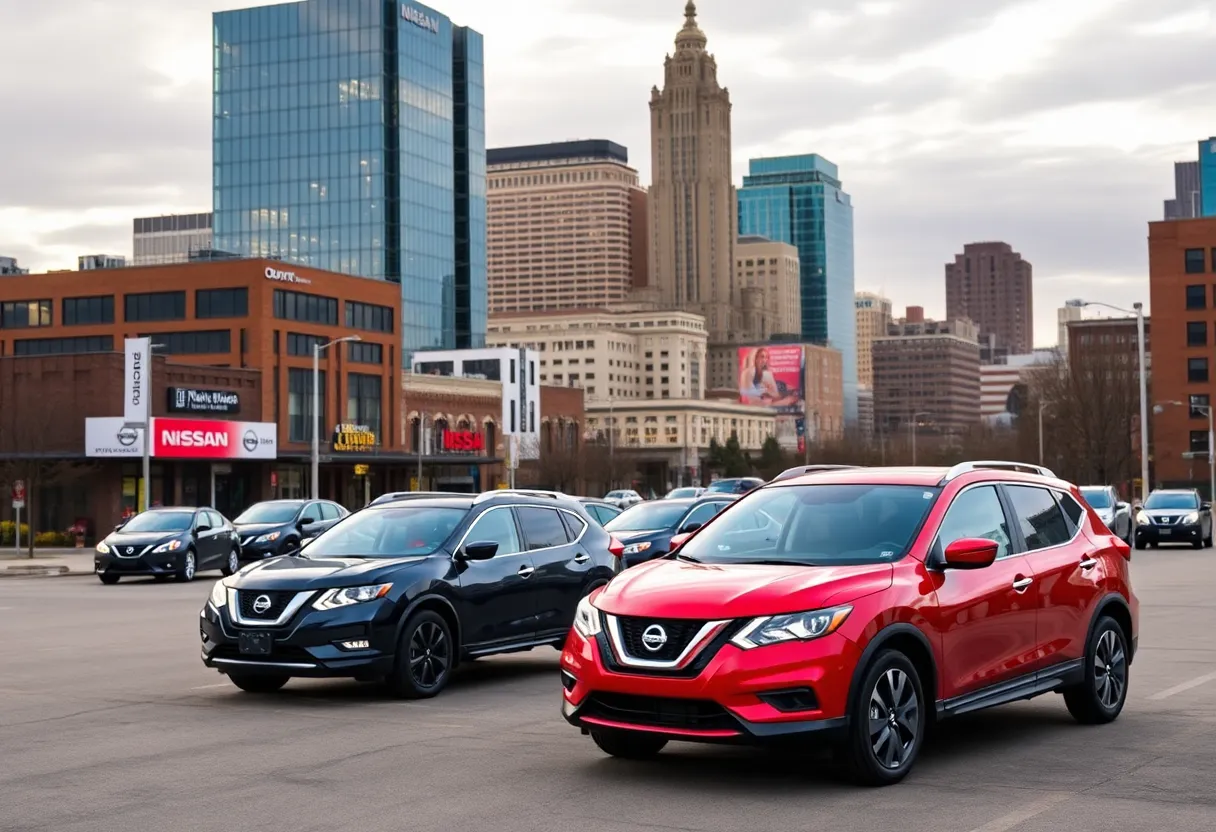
109, 723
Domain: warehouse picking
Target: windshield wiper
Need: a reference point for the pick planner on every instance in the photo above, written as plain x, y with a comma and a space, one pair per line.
773, 562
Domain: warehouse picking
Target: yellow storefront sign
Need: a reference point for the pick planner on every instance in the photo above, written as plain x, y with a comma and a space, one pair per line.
353, 438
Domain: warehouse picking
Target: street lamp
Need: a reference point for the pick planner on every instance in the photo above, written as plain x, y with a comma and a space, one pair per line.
317, 349
1137, 310
1042, 407
1211, 436
915, 422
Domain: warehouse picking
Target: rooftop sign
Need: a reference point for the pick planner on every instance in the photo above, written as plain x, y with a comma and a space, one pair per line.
419, 19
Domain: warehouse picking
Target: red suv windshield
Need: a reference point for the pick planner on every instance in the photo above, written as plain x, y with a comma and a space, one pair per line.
816, 525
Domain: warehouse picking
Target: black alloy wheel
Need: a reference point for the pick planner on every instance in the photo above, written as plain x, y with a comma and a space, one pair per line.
257, 682
233, 564
887, 722
628, 745
189, 567
1100, 697
425, 657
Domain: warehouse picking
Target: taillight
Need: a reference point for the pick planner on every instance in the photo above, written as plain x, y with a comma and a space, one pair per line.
615, 547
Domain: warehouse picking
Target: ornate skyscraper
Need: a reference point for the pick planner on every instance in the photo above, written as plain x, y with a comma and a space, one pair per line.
692, 199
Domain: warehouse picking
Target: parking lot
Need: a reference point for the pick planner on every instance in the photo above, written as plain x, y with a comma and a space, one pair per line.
108, 721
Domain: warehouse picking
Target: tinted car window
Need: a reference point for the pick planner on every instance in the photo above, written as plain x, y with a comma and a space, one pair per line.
976, 513
663, 514
602, 513
216, 520
399, 531
160, 521
574, 525
330, 511
496, 526
1041, 520
701, 514
1097, 497
269, 513
1072, 509
1175, 500
542, 527
311, 513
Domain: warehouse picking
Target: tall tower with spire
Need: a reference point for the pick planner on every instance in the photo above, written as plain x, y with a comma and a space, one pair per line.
692, 198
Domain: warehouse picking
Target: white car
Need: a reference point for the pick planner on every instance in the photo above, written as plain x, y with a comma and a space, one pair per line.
623, 498
1116, 514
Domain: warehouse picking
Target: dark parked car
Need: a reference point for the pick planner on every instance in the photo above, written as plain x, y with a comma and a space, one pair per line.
168, 543
404, 591
1174, 516
738, 485
276, 527
601, 511
646, 530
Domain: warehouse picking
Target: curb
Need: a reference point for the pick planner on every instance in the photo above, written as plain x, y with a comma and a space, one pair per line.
37, 572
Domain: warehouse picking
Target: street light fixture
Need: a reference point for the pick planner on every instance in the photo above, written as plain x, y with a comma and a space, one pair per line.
915, 422
1207, 409
317, 349
1042, 407
1137, 310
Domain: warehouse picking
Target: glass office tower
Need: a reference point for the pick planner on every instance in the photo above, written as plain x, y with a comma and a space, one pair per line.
349, 135
798, 200
1207, 178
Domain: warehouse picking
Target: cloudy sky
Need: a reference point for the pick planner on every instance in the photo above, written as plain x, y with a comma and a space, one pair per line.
1050, 125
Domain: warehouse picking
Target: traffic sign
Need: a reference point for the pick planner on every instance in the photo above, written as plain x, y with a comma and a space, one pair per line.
19, 491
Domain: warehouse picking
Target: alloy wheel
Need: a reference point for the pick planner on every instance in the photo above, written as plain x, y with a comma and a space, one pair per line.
1110, 670
894, 718
189, 568
430, 655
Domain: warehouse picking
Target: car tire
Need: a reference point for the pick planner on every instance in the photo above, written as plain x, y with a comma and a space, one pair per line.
189, 567
108, 580
628, 745
425, 657
258, 683
1207, 541
1140, 544
1100, 697
886, 725
233, 564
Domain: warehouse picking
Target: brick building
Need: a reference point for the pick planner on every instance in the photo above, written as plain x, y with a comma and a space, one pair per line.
992, 285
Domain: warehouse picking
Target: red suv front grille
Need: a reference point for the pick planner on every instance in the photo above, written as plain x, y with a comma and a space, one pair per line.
677, 632
659, 712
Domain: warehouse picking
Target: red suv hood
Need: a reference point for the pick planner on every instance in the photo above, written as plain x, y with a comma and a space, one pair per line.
678, 589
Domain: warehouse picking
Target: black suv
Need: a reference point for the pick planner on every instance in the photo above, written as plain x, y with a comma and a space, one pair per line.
168, 543
1174, 516
645, 531
737, 485
276, 527
403, 591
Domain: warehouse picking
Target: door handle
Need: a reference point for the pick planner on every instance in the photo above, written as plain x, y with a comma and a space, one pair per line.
1088, 563
1022, 584
582, 557
526, 571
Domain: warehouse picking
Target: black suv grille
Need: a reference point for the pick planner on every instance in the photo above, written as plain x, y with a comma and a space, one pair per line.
658, 712
678, 632
248, 599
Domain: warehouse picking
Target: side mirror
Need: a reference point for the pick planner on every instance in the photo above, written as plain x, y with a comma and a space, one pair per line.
971, 553
678, 541
1122, 506
481, 550
307, 521
690, 528
1206, 506
202, 528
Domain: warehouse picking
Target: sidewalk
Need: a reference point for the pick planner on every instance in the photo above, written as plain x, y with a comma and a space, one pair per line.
46, 563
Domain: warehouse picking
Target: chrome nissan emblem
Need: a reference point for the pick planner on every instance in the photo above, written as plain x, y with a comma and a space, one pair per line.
653, 638
261, 604
130, 550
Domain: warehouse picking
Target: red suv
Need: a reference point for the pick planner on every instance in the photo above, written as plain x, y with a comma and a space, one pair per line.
857, 606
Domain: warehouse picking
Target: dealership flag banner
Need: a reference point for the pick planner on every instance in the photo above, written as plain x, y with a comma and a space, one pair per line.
137, 380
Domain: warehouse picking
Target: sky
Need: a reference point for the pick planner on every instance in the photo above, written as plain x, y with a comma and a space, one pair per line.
1052, 126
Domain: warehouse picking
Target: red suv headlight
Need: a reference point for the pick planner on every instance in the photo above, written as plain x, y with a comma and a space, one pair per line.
798, 626
587, 620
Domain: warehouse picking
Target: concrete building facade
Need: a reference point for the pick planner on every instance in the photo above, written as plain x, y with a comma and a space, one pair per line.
171, 238
767, 278
873, 318
991, 284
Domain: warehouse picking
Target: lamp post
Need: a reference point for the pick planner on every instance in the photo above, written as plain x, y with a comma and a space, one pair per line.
422, 444
1206, 409
611, 444
915, 422
1137, 310
1042, 407
317, 349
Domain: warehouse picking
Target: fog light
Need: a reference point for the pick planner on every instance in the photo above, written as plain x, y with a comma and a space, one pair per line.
356, 645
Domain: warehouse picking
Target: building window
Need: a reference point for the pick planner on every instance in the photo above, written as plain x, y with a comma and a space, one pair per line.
1199, 442
300, 306
62, 346
155, 306
1195, 261
25, 314
360, 352
1196, 370
1200, 402
84, 311
1196, 334
302, 345
363, 402
208, 342
221, 303
299, 403
1196, 297
369, 317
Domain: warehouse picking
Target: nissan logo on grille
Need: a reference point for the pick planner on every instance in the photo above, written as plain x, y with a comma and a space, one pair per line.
261, 604
653, 638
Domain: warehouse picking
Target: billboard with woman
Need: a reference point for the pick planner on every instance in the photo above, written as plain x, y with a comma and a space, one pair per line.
772, 377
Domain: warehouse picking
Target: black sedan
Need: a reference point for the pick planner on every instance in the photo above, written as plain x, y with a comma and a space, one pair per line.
276, 527
168, 543
403, 591
646, 529
736, 485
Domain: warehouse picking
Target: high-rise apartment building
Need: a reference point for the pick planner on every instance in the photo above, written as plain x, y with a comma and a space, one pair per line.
171, 238
767, 279
1186, 204
349, 135
8, 267
991, 284
873, 317
928, 373
567, 227
692, 198
799, 200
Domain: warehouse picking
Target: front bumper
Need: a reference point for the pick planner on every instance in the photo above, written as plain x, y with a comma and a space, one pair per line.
260, 551
167, 563
1179, 533
730, 700
309, 644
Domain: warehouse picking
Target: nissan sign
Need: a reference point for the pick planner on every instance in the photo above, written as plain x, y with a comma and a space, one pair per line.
190, 400
136, 380
285, 277
420, 19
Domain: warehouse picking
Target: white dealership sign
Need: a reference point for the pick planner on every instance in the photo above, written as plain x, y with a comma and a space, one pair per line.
137, 380
108, 437
286, 277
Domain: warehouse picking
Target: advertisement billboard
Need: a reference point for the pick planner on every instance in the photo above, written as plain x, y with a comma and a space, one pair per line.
213, 439
109, 437
773, 377
137, 375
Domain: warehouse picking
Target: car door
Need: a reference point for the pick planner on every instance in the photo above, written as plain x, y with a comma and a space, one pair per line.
561, 561
310, 521
497, 597
986, 617
206, 546
698, 516
226, 539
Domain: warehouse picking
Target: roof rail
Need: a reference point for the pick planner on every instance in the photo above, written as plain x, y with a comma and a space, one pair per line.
803, 470
523, 492
396, 496
996, 465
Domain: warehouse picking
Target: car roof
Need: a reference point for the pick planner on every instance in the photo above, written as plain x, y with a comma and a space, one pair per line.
927, 476
179, 508
427, 501
288, 502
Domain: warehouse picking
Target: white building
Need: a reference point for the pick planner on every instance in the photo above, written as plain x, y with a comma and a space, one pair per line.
89, 262
8, 266
1064, 316
171, 238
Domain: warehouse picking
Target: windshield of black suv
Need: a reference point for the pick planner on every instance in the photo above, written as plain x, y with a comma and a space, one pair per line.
1175, 500
725, 486
395, 532
1096, 497
269, 513
816, 525
160, 521
648, 517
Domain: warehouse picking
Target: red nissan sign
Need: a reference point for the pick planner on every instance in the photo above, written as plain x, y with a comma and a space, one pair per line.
463, 440
213, 439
